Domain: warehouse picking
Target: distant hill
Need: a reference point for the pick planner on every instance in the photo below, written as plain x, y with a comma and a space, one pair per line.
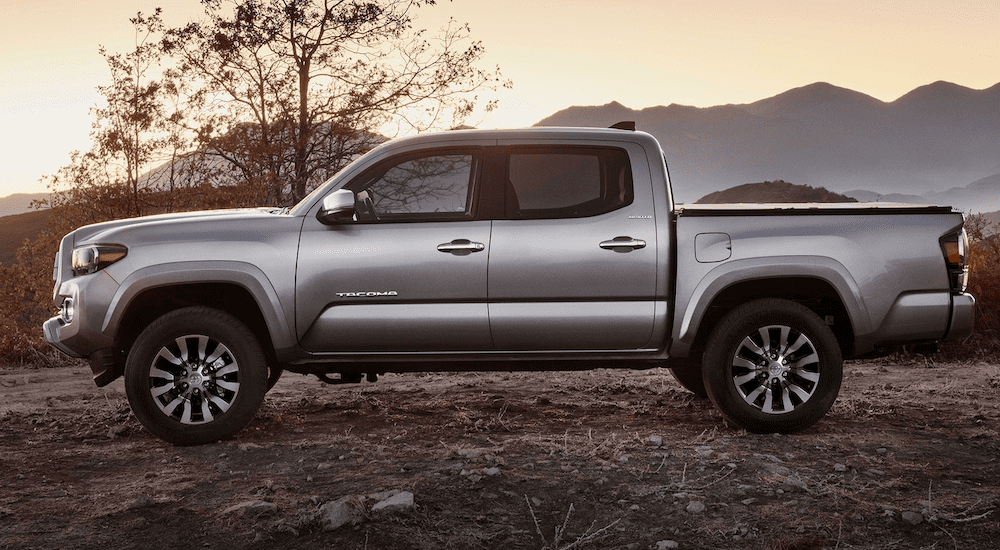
772, 191
15, 229
982, 195
934, 138
994, 217
19, 203
862, 195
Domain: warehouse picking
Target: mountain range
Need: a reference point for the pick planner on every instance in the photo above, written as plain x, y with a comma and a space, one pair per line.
19, 203
939, 143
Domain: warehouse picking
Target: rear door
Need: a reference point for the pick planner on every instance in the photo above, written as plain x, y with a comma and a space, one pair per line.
573, 259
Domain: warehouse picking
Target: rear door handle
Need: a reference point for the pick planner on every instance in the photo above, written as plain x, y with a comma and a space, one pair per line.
623, 244
461, 247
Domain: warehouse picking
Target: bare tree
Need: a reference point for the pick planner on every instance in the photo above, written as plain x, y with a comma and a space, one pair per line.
286, 92
129, 129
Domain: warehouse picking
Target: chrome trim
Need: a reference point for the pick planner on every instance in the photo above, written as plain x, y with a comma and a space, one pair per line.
461, 245
623, 242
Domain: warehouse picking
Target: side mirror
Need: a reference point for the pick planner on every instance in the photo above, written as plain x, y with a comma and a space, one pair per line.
337, 208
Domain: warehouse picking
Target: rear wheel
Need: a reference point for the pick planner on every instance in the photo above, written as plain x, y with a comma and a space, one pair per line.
195, 375
772, 366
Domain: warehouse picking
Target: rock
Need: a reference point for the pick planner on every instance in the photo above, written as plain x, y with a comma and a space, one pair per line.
117, 431
792, 483
912, 518
665, 544
470, 454
400, 502
839, 468
377, 497
142, 502
336, 514
492, 471
253, 508
654, 441
695, 507
776, 469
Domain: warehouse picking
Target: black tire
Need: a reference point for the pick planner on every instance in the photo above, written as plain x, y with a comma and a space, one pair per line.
195, 375
688, 375
772, 366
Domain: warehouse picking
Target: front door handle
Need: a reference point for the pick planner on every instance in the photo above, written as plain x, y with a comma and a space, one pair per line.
461, 247
623, 244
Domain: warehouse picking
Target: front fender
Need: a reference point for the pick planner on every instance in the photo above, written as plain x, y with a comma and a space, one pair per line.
245, 275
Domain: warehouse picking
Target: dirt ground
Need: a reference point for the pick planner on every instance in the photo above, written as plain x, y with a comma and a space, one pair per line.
908, 458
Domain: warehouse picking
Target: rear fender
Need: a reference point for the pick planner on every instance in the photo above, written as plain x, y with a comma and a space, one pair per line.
688, 320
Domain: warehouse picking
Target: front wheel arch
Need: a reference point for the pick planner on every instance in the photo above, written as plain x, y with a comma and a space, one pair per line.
153, 303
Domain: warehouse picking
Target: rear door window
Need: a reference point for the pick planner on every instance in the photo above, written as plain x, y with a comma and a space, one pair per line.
566, 182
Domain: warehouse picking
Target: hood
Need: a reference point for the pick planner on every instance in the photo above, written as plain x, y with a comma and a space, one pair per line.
124, 231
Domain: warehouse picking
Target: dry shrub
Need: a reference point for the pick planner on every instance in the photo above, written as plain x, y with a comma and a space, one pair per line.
984, 284
984, 275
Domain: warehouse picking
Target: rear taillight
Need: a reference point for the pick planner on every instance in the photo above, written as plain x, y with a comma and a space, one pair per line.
956, 256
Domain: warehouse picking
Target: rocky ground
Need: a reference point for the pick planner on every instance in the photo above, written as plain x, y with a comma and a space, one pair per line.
908, 458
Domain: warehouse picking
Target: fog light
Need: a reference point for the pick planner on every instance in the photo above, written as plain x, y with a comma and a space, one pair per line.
67, 311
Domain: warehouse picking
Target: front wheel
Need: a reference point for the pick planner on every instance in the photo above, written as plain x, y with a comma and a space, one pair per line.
772, 366
195, 375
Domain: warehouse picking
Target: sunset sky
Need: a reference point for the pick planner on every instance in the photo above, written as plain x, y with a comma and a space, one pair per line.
640, 53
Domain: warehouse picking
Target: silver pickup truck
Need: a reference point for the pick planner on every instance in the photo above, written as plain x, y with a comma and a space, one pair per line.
504, 250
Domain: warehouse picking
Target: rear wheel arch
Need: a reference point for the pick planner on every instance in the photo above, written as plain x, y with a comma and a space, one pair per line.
818, 295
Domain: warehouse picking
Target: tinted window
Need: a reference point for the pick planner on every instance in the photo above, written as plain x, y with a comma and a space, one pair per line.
429, 186
545, 182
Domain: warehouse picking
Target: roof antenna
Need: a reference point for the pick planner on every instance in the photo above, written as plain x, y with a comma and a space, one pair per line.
624, 125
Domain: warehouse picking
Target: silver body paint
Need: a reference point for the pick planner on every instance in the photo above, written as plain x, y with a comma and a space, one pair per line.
633, 287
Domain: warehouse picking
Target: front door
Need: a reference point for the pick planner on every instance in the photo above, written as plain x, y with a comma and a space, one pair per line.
409, 274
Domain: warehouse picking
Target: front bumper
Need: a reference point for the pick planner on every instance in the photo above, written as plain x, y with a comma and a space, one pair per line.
78, 330
52, 329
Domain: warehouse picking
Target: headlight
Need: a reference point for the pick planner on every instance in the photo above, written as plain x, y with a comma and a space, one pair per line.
93, 258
